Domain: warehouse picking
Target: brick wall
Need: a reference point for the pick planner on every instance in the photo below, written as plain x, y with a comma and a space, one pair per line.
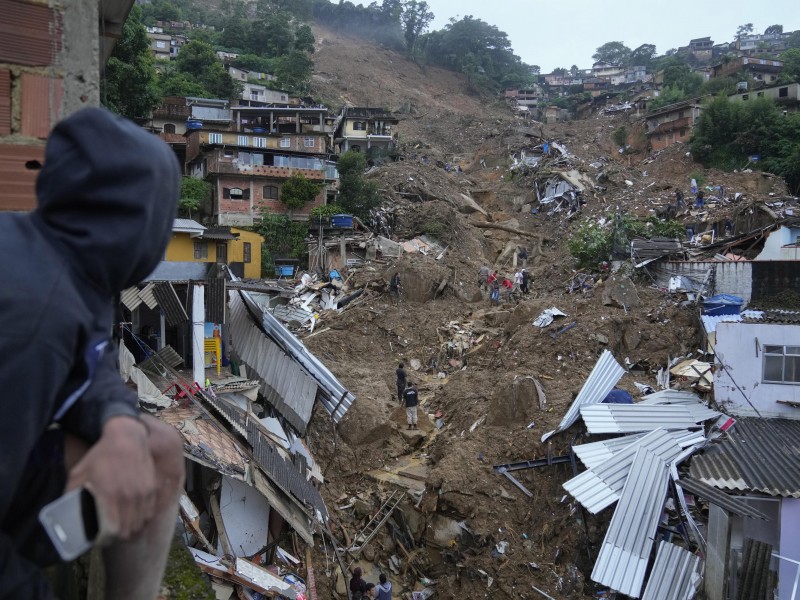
48, 68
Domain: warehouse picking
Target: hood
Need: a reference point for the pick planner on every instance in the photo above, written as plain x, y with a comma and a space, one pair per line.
384, 587
107, 196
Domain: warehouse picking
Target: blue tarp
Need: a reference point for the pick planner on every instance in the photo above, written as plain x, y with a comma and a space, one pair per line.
618, 397
723, 304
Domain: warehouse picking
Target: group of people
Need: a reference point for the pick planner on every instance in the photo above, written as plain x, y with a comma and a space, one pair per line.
505, 286
407, 394
360, 589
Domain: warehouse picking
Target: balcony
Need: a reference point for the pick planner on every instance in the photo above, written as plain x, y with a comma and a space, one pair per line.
268, 171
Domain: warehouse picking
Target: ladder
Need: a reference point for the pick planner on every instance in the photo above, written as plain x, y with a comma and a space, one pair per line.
372, 528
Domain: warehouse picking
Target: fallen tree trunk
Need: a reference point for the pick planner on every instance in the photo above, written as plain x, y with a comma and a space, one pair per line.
504, 228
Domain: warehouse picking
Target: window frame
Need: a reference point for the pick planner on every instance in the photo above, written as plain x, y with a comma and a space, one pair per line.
270, 186
200, 250
260, 142
308, 139
214, 138
243, 140
247, 252
770, 352
286, 142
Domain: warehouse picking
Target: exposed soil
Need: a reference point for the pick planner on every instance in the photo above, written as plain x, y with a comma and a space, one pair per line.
489, 410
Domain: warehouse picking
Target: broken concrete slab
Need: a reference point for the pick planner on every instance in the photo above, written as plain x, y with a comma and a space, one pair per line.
619, 290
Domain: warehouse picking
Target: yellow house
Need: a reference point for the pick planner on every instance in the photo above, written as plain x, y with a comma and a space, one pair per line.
238, 248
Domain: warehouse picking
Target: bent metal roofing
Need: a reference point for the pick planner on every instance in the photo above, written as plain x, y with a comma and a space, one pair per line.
756, 455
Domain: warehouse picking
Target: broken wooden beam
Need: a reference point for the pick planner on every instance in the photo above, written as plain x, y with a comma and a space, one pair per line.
505, 228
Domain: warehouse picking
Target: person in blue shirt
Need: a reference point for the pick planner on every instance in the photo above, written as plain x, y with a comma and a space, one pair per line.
412, 400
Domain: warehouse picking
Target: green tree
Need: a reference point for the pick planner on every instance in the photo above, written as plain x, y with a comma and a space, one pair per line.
416, 17
745, 29
791, 66
234, 36
253, 62
283, 238
612, 52
195, 57
194, 194
271, 36
357, 195
293, 71
199, 68
160, 10
642, 56
304, 39
560, 72
173, 83
129, 83
574, 70
773, 29
793, 41
298, 190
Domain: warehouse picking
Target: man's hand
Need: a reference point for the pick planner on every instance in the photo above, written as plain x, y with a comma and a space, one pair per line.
120, 473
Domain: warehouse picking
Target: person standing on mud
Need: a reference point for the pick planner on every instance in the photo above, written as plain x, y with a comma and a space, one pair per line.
384, 588
483, 276
522, 255
495, 297
401, 381
357, 585
394, 287
525, 281
412, 400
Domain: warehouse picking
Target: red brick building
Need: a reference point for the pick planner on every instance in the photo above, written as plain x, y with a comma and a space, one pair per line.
49, 68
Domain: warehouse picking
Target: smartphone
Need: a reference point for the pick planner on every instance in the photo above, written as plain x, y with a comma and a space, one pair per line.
71, 523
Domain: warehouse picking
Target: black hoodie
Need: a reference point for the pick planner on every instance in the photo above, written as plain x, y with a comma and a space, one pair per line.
107, 197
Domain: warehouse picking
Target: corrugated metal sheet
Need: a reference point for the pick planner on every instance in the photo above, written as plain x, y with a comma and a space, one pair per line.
236, 417
146, 296
215, 300
604, 376
130, 298
289, 314
676, 574
632, 418
335, 398
759, 455
710, 321
730, 503
179, 272
623, 557
286, 385
671, 397
281, 471
187, 225
601, 486
171, 306
597, 453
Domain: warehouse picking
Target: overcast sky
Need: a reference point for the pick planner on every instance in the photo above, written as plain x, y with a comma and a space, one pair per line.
563, 33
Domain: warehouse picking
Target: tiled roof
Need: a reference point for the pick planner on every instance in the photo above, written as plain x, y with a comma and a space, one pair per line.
758, 455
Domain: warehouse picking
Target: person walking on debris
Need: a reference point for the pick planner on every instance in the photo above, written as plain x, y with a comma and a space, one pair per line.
412, 400
507, 286
699, 201
522, 255
384, 588
401, 381
679, 199
483, 276
495, 297
394, 287
517, 280
525, 281
106, 200
358, 586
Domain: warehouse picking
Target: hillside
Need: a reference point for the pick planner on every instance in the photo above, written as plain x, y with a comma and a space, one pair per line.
475, 363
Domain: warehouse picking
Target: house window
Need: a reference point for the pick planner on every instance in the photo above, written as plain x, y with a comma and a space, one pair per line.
309, 142
359, 126
169, 128
235, 194
270, 192
782, 364
260, 142
161, 45
227, 153
222, 252
200, 250
243, 140
286, 142
783, 92
214, 138
683, 132
248, 252
680, 114
244, 158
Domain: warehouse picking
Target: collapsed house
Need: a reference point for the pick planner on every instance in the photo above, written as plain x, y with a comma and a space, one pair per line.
252, 499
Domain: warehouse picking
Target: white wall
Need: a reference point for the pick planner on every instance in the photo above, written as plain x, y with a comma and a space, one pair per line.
790, 545
732, 277
739, 348
773, 247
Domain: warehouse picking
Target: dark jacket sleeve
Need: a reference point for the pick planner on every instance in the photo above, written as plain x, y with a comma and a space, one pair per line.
27, 370
107, 396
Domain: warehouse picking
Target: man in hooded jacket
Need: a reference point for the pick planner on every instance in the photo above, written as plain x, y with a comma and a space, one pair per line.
106, 197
